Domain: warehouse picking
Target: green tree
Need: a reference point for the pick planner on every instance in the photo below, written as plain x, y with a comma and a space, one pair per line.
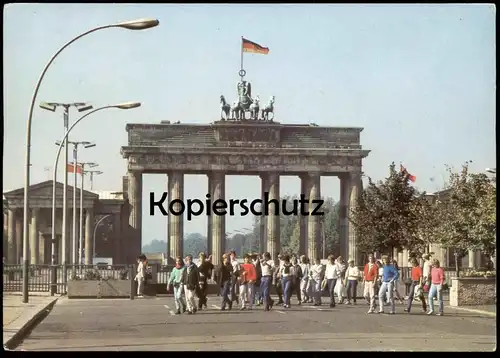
385, 215
194, 243
468, 214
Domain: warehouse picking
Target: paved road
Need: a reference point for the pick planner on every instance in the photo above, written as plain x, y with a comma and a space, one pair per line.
149, 325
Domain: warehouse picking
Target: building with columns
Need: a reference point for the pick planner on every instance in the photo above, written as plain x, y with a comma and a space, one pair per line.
111, 235
263, 148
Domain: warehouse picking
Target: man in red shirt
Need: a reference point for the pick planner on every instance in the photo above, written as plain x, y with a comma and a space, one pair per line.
417, 281
369, 278
248, 276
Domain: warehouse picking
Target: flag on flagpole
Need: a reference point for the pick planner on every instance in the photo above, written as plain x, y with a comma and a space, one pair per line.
249, 46
71, 168
411, 178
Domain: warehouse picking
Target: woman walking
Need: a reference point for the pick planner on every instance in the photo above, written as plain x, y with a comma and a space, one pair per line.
351, 282
140, 277
437, 282
339, 287
331, 275
176, 280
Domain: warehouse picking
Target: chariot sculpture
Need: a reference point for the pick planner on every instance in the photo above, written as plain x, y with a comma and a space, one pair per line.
246, 107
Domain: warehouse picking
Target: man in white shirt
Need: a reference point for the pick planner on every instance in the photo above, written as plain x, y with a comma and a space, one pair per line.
278, 283
426, 272
316, 276
236, 269
267, 266
305, 287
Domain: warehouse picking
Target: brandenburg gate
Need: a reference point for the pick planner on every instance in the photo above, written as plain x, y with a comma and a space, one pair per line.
239, 144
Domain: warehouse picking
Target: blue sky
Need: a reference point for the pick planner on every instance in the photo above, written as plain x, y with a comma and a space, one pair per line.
420, 79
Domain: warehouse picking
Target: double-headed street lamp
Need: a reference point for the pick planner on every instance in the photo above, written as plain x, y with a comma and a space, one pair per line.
75, 170
128, 105
140, 24
81, 107
91, 179
80, 243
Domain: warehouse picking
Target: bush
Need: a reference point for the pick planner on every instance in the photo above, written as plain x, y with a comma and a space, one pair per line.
474, 273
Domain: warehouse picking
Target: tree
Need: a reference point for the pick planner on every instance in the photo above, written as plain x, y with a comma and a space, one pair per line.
386, 217
468, 214
195, 243
290, 226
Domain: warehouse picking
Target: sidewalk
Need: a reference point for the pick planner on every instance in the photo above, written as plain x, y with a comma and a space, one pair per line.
489, 310
18, 317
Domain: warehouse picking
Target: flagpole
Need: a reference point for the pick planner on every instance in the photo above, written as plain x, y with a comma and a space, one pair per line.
241, 53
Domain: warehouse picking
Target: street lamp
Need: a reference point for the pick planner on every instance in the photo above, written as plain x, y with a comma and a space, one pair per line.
84, 144
92, 173
127, 105
140, 24
81, 107
80, 243
491, 170
95, 229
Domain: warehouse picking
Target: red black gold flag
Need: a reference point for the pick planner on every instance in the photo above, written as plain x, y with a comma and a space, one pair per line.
249, 46
411, 178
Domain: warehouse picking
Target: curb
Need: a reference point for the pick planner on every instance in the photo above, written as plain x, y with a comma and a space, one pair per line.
472, 310
24, 331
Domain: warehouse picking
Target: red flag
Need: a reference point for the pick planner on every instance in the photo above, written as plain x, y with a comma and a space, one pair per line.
71, 170
411, 178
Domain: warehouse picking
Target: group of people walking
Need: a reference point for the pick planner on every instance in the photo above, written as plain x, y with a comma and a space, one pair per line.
249, 284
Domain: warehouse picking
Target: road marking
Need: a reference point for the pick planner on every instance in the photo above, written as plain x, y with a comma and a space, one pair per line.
169, 310
216, 307
280, 312
486, 313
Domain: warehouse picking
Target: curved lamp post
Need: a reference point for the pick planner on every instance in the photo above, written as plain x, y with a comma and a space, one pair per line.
128, 105
140, 24
95, 229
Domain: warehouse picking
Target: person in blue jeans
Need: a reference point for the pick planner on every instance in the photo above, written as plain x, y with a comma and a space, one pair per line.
389, 275
267, 266
175, 280
436, 289
286, 274
225, 279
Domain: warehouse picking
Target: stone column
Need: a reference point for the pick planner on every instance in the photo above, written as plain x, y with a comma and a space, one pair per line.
34, 237
472, 259
42, 250
313, 192
176, 192
273, 220
262, 218
218, 221
135, 218
89, 240
356, 186
406, 261
345, 192
11, 237
303, 218
209, 219
19, 236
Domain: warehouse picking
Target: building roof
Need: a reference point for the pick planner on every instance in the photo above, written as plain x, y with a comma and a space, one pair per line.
44, 189
109, 195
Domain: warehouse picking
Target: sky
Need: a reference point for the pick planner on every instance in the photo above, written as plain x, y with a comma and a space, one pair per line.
420, 80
